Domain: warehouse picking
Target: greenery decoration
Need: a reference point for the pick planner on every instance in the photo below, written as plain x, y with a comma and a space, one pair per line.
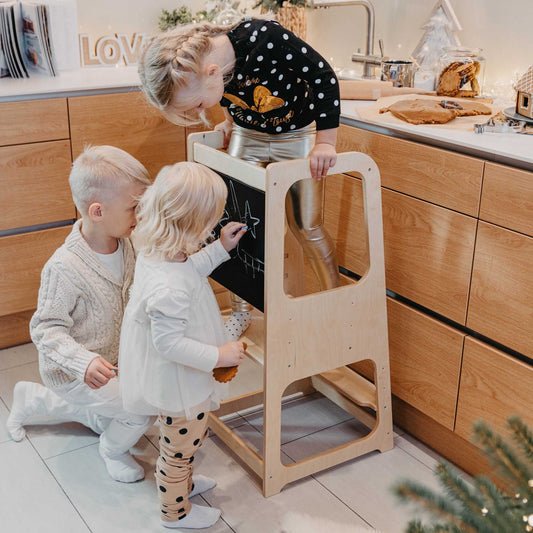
275, 5
217, 11
481, 507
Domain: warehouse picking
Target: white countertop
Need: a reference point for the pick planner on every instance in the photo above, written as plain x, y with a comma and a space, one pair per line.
507, 148
70, 83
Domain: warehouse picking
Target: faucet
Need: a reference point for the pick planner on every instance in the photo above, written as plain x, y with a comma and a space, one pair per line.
368, 59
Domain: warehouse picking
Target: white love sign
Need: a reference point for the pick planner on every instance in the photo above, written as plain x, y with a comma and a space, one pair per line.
111, 50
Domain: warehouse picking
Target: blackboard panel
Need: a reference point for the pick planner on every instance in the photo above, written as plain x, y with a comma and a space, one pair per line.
244, 273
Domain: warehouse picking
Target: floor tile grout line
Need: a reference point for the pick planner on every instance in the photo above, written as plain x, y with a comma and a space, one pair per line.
60, 486
18, 366
342, 501
67, 451
221, 517
415, 457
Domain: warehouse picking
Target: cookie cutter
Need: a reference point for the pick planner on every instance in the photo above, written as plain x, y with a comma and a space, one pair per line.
510, 126
450, 104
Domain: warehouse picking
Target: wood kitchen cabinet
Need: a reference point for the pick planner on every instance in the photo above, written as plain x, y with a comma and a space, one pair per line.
458, 236
438, 176
501, 297
428, 249
38, 141
127, 121
22, 258
34, 121
494, 386
507, 198
35, 186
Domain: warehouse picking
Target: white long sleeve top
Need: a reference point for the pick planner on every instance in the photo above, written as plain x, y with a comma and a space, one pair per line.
170, 335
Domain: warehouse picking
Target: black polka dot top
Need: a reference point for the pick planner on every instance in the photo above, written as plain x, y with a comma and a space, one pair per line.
279, 83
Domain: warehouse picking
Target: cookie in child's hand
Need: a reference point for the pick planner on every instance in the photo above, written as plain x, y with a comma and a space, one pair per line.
227, 373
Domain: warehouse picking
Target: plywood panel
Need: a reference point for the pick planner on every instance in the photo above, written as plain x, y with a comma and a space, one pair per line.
22, 258
439, 176
425, 359
33, 121
128, 121
493, 387
35, 186
507, 198
501, 298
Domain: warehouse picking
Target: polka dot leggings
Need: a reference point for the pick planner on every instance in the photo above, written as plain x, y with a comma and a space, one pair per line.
178, 442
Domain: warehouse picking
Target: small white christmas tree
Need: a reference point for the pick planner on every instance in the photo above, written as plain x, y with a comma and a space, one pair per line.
439, 33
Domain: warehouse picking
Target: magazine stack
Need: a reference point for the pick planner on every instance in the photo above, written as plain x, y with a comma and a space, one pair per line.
25, 39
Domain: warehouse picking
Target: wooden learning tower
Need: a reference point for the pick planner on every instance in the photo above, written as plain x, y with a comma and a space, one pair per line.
306, 342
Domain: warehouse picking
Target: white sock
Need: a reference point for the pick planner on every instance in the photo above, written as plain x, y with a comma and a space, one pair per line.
199, 517
201, 484
237, 324
21, 409
122, 467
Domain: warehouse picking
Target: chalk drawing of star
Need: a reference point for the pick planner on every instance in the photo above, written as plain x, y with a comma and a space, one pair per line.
250, 220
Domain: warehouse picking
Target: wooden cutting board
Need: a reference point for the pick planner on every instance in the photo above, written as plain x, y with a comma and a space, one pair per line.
372, 114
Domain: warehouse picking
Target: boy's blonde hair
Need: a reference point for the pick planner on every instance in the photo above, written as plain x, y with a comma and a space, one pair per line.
168, 60
97, 171
179, 210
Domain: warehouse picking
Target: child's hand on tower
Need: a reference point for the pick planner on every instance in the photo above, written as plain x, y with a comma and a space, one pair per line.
226, 128
322, 157
230, 354
99, 372
231, 234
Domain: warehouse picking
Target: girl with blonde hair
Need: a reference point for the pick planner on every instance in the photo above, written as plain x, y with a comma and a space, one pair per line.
280, 99
172, 334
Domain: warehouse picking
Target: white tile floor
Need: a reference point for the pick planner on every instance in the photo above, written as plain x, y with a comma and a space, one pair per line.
54, 481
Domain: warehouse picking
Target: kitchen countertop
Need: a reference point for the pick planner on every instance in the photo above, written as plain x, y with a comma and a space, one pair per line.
507, 148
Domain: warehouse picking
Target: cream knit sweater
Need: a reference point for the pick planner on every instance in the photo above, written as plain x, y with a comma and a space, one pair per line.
79, 310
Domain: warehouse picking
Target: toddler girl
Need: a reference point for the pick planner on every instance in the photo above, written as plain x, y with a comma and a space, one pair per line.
173, 335
281, 101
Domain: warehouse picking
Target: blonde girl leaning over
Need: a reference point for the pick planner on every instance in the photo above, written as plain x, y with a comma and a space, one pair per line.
280, 99
172, 334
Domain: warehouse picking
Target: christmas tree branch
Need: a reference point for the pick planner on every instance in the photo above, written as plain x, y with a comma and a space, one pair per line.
436, 504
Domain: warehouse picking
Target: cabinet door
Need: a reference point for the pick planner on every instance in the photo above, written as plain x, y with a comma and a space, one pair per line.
127, 121
507, 198
35, 186
438, 176
33, 121
493, 387
425, 362
501, 297
428, 249
22, 258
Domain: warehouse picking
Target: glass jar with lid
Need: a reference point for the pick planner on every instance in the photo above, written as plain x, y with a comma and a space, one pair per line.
461, 72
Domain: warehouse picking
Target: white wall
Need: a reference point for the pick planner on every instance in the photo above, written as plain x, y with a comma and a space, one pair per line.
504, 29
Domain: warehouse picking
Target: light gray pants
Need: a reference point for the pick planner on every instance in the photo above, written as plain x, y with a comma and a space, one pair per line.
304, 204
99, 409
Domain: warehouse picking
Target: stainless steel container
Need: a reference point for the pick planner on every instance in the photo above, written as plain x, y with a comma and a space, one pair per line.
400, 72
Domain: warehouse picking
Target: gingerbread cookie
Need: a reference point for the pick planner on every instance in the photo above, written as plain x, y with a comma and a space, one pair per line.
227, 373
420, 111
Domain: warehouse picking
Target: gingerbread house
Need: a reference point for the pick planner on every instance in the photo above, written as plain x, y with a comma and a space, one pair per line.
524, 100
